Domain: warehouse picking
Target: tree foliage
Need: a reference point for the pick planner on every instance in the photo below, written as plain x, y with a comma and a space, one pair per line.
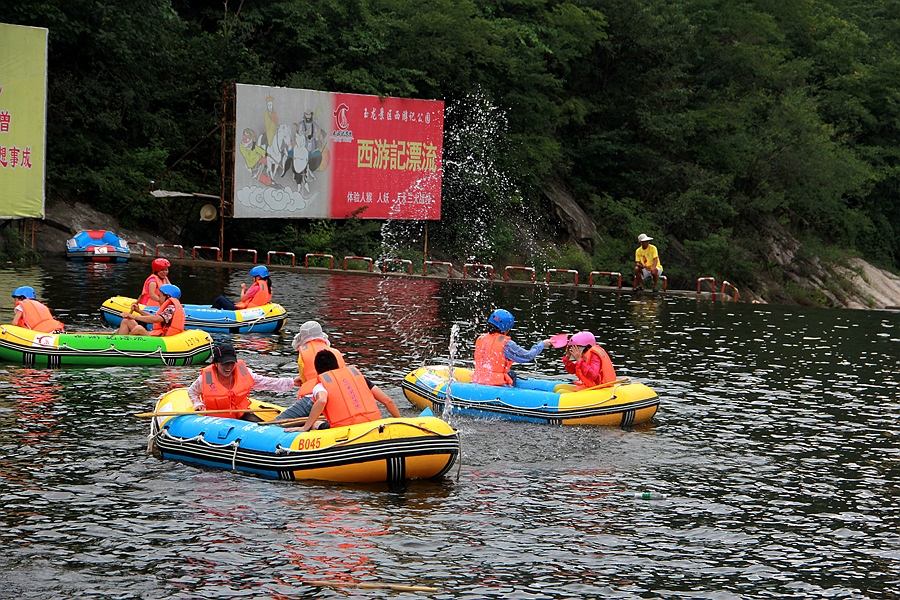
695, 121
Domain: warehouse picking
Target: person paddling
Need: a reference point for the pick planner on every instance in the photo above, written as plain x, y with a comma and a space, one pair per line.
588, 361
227, 383
495, 352
258, 294
167, 320
31, 314
150, 294
342, 394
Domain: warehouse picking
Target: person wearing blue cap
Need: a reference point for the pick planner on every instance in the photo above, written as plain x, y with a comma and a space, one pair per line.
259, 293
167, 320
495, 352
31, 314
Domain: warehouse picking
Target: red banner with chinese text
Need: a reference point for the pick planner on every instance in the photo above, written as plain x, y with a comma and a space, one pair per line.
389, 167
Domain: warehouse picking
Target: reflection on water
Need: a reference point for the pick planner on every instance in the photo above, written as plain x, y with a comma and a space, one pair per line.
776, 442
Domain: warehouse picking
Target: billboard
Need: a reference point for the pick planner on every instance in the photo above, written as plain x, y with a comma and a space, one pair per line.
326, 155
23, 117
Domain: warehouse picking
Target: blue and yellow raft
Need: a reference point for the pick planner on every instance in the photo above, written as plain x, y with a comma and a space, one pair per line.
268, 318
390, 450
531, 400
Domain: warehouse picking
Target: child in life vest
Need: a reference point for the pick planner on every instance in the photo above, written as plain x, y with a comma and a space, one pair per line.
168, 320
31, 314
150, 293
495, 352
585, 359
341, 394
258, 294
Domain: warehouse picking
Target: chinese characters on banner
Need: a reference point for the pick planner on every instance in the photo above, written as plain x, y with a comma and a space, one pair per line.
23, 101
310, 154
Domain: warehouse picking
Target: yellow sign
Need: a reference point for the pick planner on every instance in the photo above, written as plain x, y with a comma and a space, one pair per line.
23, 117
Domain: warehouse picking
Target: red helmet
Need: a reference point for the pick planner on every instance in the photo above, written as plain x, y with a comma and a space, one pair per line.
159, 264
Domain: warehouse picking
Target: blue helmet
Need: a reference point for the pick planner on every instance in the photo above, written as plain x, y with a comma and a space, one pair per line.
259, 271
25, 290
170, 290
502, 320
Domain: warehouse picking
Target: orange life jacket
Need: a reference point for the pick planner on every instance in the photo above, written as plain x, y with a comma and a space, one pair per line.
176, 325
37, 317
607, 372
262, 296
306, 387
306, 358
350, 400
491, 366
145, 297
217, 396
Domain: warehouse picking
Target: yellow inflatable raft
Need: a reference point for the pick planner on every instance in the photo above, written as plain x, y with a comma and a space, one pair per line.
531, 400
388, 450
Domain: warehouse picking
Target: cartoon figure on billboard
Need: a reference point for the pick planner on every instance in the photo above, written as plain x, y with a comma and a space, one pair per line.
311, 145
254, 155
282, 138
270, 117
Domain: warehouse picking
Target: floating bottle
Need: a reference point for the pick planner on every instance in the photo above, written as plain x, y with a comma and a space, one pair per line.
650, 496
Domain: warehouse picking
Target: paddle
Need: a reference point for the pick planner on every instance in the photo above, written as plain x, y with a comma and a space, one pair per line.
607, 384
559, 340
173, 413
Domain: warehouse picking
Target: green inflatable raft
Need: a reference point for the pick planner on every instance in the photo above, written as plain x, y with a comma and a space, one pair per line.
36, 349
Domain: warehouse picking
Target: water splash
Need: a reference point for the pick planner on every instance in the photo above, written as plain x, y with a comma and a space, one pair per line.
452, 349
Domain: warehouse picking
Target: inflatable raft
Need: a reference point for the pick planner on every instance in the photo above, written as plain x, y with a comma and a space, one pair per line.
97, 245
36, 349
531, 400
388, 450
268, 318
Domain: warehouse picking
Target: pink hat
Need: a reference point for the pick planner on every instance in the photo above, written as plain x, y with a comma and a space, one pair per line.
583, 338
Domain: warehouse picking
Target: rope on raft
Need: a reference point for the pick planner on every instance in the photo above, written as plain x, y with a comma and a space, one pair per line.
226, 319
279, 449
112, 347
498, 401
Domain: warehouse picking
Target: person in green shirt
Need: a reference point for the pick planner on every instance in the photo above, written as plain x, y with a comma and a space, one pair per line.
646, 263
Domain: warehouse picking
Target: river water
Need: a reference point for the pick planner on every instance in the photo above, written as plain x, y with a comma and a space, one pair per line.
776, 443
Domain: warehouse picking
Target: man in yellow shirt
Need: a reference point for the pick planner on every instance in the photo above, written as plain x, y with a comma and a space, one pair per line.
646, 262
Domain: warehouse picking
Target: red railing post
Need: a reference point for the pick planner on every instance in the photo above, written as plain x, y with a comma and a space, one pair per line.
736, 295
195, 250
365, 259
443, 263
478, 267
272, 253
245, 250
318, 255
507, 270
141, 244
569, 271
615, 274
173, 246
711, 280
404, 263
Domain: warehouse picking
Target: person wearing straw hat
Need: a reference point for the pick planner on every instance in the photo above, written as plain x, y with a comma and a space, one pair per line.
227, 383
308, 342
646, 262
